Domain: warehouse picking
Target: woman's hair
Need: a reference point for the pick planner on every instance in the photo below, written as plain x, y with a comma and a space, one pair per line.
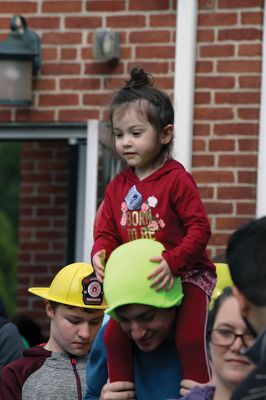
226, 293
152, 102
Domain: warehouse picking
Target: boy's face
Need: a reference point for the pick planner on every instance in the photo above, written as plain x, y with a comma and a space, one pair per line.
72, 329
147, 326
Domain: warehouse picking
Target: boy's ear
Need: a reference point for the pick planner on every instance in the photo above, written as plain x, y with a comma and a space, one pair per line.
243, 302
167, 134
49, 309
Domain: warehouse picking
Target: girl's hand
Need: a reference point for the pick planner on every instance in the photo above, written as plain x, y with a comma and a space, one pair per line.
164, 278
98, 263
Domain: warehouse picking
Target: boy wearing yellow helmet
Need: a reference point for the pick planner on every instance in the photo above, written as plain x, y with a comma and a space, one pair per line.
75, 306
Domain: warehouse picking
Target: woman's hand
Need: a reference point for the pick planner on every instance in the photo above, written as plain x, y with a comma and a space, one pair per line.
187, 384
118, 390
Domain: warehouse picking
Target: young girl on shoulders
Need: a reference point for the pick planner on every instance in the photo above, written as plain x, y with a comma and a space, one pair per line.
155, 197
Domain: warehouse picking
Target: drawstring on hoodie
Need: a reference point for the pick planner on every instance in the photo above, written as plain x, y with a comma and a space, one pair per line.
74, 366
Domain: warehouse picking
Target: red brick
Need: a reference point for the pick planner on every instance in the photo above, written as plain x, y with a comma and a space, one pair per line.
44, 85
96, 99
248, 145
236, 129
240, 3
199, 145
87, 53
126, 21
168, 20
234, 192
83, 22
252, 18
155, 52
61, 69
4, 22
250, 81
250, 50
247, 177
102, 68
239, 66
213, 176
213, 113
66, 99
201, 130
106, 5
5, 115
230, 224
19, 7
246, 208
68, 54
240, 34
217, 51
148, 5
202, 98
38, 22
237, 98
248, 113
205, 35
49, 53
214, 82
34, 115
221, 145
61, 38
204, 67
218, 207
164, 83
80, 84
151, 36
217, 19
61, 6
202, 161
237, 160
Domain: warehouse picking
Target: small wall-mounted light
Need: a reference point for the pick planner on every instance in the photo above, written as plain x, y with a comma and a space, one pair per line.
19, 60
106, 46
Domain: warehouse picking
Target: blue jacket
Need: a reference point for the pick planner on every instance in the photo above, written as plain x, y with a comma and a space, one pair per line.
157, 373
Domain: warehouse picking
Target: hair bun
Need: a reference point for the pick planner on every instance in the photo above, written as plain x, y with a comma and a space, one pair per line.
139, 78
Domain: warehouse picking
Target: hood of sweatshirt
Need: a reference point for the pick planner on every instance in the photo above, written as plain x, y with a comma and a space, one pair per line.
168, 166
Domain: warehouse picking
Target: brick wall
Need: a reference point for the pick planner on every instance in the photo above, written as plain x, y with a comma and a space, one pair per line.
72, 86
43, 220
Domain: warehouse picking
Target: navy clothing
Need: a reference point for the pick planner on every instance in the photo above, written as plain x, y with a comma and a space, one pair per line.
11, 346
157, 373
254, 386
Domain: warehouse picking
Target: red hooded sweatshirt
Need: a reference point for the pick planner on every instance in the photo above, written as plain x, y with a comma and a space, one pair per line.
165, 206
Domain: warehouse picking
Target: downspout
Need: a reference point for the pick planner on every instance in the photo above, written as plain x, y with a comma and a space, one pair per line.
261, 169
185, 54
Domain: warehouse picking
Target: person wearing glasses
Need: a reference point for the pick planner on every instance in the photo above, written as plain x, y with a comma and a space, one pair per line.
246, 257
228, 337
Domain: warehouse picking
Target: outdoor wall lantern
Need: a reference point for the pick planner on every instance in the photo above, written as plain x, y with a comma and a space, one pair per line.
19, 61
106, 46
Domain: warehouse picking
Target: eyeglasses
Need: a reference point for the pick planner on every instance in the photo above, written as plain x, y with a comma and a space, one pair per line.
226, 337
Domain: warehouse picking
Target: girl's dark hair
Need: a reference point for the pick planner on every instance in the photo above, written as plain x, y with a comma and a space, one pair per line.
226, 293
154, 102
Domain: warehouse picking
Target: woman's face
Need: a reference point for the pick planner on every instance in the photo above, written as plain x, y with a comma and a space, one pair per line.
230, 367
